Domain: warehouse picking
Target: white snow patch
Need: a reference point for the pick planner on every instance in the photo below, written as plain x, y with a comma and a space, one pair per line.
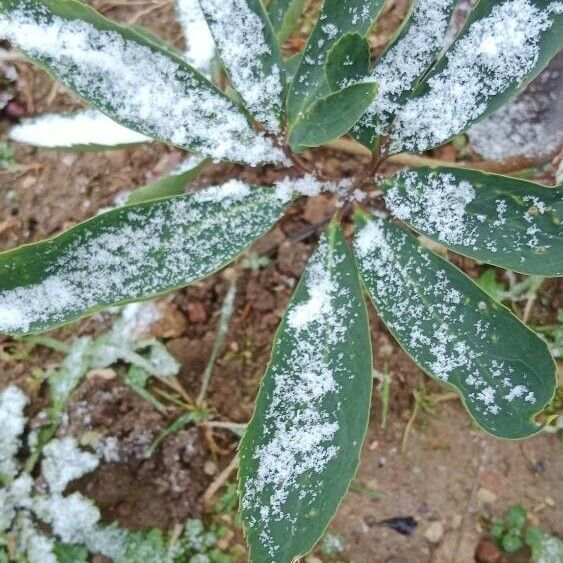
200, 43
89, 127
63, 462
12, 424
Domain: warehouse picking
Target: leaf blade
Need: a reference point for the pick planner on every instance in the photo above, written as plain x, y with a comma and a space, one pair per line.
503, 47
317, 388
251, 54
81, 131
337, 18
403, 64
508, 222
456, 332
130, 254
172, 184
284, 15
331, 117
139, 82
348, 61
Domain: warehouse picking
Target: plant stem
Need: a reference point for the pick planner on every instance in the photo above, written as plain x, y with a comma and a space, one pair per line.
224, 319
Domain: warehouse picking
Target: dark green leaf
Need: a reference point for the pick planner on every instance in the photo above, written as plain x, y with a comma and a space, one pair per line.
173, 184
291, 66
487, 281
302, 447
455, 331
348, 61
409, 55
512, 223
504, 46
130, 254
84, 130
331, 117
337, 18
140, 83
284, 15
251, 54
67, 553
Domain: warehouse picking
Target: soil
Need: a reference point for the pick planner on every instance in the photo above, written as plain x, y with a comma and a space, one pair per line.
448, 476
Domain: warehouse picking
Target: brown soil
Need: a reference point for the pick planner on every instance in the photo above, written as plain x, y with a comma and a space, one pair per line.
449, 471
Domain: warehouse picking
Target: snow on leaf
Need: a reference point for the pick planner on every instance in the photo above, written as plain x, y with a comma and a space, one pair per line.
200, 43
12, 423
301, 448
87, 128
141, 85
494, 55
455, 331
63, 462
513, 223
250, 53
132, 253
405, 62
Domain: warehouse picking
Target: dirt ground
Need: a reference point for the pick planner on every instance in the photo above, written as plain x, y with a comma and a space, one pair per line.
449, 476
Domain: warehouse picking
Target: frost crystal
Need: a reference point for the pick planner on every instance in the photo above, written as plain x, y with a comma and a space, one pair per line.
299, 426
12, 424
172, 243
201, 46
240, 35
142, 87
64, 462
406, 60
429, 317
495, 54
89, 127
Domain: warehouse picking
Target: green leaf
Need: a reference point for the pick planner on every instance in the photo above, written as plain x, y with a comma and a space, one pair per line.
403, 64
68, 553
348, 61
144, 85
508, 222
337, 18
284, 15
504, 46
331, 117
291, 66
302, 446
455, 331
173, 184
251, 54
84, 130
511, 542
545, 548
487, 281
130, 254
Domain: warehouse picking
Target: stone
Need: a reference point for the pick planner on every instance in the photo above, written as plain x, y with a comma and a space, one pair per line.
435, 532
485, 496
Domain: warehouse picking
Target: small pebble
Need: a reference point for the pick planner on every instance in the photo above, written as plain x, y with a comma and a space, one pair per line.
484, 496
209, 468
435, 532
